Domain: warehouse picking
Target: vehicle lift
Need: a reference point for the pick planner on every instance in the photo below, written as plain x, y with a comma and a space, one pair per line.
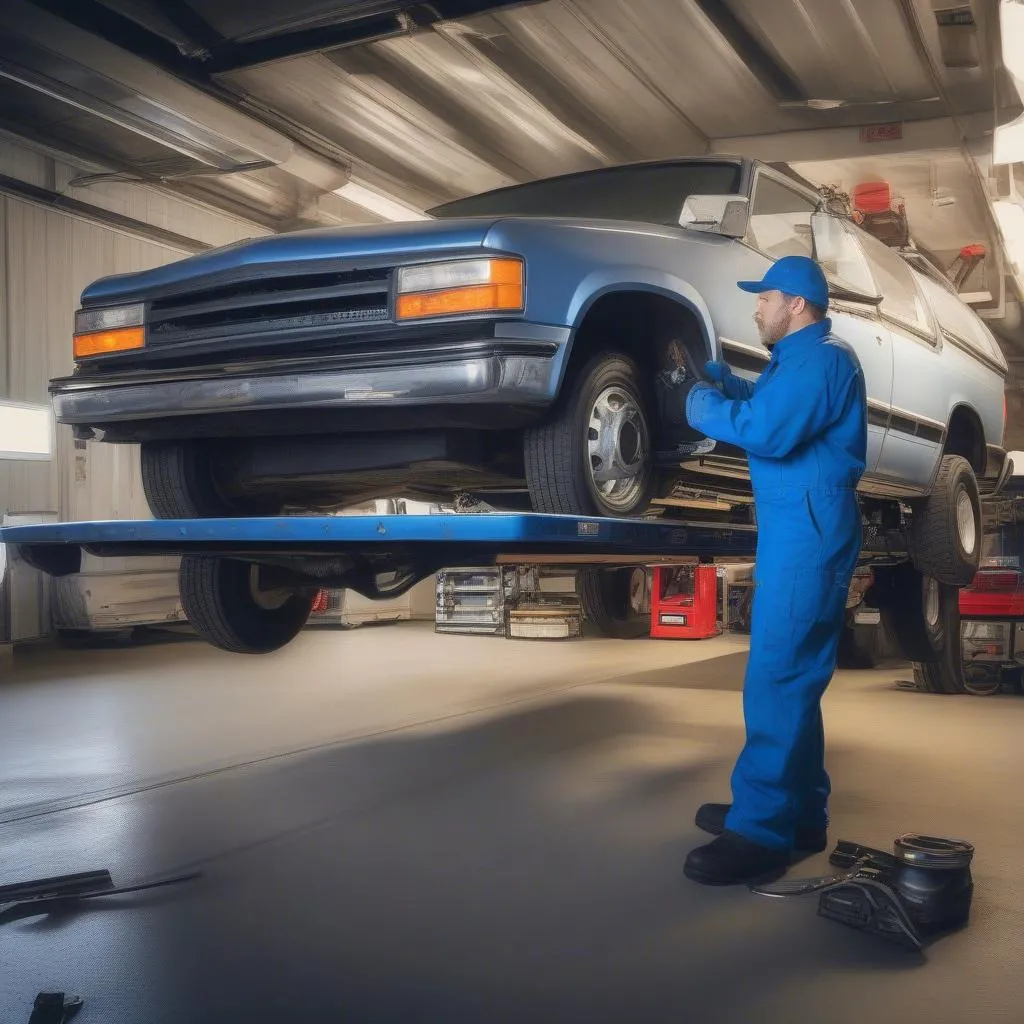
383, 556
378, 556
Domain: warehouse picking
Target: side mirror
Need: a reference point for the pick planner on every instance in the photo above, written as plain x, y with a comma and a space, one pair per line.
719, 215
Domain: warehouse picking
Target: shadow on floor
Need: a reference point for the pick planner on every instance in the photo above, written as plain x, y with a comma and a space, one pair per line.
521, 868
722, 673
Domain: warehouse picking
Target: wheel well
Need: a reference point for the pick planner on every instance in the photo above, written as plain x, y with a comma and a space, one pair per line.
641, 325
966, 437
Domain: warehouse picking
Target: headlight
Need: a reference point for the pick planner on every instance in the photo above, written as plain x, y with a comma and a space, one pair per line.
462, 286
117, 329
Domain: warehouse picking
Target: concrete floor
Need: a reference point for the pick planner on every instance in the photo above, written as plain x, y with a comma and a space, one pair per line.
398, 826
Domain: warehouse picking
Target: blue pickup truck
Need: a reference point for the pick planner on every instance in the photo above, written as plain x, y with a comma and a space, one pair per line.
522, 347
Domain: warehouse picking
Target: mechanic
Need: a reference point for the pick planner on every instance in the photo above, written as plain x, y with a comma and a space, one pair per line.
804, 428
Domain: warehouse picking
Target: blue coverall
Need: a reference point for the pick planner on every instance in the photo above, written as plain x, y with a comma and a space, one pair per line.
804, 427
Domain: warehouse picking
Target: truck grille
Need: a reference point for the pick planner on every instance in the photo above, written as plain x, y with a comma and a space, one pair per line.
279, 306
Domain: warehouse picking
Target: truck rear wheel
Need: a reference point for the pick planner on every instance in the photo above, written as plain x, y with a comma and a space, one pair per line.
616, 601
225, 604
179, 480
946, 529
922, 616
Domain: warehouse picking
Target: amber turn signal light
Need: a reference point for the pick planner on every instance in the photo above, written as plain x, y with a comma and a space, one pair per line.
98, 343
497, 287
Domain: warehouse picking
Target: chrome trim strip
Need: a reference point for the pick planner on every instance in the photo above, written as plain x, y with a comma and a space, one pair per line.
924, 420
739, 346
524, 378
957, 342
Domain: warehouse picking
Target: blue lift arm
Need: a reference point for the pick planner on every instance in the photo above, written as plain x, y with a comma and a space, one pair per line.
356, 551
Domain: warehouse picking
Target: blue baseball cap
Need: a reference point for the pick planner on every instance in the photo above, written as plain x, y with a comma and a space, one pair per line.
794, 275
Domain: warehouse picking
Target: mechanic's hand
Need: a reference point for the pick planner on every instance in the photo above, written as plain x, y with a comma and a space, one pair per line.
718, 371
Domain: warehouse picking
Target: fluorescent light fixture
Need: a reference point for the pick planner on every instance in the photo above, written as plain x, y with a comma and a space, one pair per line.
1011, 223
1011, 30
378, 203
1008, 142
26, 432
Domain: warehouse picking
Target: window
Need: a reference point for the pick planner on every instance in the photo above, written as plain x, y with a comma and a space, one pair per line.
647, 193
838, 251
780, 220
960, 320
901, 297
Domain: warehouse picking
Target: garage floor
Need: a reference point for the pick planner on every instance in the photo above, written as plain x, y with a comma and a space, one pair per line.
398, 826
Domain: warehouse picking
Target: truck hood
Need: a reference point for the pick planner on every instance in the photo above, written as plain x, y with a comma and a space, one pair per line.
366, 241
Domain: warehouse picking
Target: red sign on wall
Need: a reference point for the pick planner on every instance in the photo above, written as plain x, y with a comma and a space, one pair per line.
881, 132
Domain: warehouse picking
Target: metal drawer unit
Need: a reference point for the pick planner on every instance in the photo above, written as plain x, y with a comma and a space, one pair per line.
472, 600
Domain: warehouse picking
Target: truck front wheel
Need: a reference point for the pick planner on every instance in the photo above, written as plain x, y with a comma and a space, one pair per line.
594, 456
228, 604
179, 479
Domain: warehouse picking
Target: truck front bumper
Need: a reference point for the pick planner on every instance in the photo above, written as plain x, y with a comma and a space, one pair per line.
518, 372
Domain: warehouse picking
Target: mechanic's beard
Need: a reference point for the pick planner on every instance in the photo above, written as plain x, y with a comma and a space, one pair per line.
775, 329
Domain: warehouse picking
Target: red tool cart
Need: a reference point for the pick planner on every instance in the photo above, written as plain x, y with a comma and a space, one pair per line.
684, 602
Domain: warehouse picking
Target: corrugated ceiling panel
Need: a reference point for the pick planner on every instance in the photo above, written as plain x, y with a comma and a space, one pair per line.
840, 49
672, 47
377, 124
481, 102
548, 49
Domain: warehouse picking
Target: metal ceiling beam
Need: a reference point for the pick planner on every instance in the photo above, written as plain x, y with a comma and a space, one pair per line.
769, 71
97, 215
242, 56
816, 144
183, 16
99, 20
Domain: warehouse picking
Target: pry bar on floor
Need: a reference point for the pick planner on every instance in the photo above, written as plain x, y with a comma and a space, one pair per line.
42, 896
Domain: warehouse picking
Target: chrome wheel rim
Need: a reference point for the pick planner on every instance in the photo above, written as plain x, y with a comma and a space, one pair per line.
966, 526
618, 447
931, 603
638, 601
268, 600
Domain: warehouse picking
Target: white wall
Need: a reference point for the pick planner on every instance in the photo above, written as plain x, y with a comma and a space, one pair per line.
46, 259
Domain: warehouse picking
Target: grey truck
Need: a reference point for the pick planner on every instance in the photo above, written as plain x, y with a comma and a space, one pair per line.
521, 347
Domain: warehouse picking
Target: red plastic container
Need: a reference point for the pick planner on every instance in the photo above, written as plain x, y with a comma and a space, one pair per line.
873, 197
684, 604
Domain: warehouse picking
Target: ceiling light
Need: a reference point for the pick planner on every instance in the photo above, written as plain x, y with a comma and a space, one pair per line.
378, 203
1011, 29
1008, 143
1011, 224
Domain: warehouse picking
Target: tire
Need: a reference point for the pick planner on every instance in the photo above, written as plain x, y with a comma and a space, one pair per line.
946, 529
179, 480
982, 682
921, 615
616, 601
602, 423
224, 607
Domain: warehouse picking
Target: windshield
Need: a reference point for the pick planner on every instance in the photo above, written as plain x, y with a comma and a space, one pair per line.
651, 194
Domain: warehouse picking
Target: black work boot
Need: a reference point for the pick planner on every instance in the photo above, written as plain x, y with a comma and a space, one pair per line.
711, 818
732, 858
